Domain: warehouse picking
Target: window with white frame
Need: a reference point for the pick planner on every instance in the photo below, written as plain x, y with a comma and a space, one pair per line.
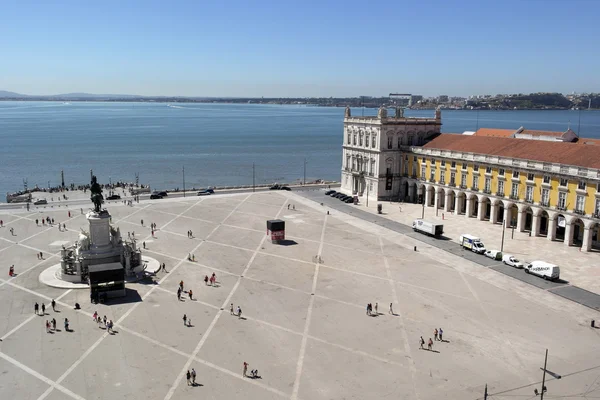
515, 174
562, 200
546, 179
348, 162
374, 141
597, 208
367, 141
501, 172
530, 177
463, 179
529, 194
372, 166
488, 170
452, 178
410, 140
360, 137
370, 186
580, 204
399, 141
453, 165
390, 142
515, 190
564, 182
443, 177
545, 197
581, 185
432, 174
488, 185
443, 163
349, 140
500, 188
423, 172
475, 182
354, 140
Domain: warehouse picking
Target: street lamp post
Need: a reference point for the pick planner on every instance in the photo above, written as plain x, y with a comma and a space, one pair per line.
304, 181
253, 177
183, 173
502, 245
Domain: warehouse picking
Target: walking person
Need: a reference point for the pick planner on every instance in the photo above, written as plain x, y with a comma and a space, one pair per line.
67, 324
368, 311
47, 326
36, 308
104, 320
245, 368
95, 316
231, 309
184, 319
53, 304
144, 244
430, 344
190, 293
179, 294
189, 377
11, 270
239, 312
206, 280
193, 377
435, 334
54, 324
422, 342
142, 222
376, 306
181, 285
391, 310
440, 333
43, 309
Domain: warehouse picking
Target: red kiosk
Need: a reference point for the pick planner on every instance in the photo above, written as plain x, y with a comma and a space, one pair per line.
276, 228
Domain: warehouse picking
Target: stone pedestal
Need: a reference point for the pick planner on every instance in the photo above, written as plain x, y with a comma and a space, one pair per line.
99, 230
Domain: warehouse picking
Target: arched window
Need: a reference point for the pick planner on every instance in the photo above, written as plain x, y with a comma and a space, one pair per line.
390, 141
374, 140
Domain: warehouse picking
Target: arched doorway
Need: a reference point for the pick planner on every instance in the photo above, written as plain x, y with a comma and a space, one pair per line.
528, 215
513, 212
405, 191
431, 196
500, 212
421, 194
460, 200
452, 200
441, 198
595, 236
561, 224
487, 207
544, 221
577, 229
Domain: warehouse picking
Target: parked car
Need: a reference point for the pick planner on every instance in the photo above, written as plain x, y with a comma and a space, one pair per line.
329, 192
155, 195
279, 187
345, 197
333, 194
206, 192
350, 199
512, 261
339, 194
40, 201
543, 269
163, 193
113, 197
493, 254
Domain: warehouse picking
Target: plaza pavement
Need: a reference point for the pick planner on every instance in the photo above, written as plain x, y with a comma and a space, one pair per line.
303, 303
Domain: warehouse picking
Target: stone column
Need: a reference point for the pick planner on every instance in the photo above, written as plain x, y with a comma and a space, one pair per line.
521, 219
568, 234
447, 205
436, 199
587, 239
427, 197
494, 213
507, 215
469, 207
552, 229
456, 205
535, 224
481, 210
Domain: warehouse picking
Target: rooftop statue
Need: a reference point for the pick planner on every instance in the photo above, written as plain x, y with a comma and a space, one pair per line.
96, 197
347, 112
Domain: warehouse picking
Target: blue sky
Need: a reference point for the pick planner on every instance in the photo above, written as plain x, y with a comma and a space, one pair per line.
299, 48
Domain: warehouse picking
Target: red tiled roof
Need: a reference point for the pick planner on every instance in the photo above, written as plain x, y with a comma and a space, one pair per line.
593, 142
536, 150
494, 132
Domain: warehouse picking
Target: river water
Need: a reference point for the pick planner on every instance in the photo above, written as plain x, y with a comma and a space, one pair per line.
216, 143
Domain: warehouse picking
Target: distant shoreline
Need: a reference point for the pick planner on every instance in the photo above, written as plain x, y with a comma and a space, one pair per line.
291, 102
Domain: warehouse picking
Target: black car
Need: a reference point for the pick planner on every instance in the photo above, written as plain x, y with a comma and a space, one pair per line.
206, 192
155, 196
349, 200
344, 197
330, 192
163, 193
285, 188
338, 195
113, 197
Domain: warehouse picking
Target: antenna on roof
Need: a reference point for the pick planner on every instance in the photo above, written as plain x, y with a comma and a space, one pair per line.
579, 123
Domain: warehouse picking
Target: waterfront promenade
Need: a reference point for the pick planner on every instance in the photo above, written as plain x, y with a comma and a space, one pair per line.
303, 303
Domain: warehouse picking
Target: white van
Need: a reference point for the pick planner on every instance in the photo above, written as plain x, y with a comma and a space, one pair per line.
545, 270
472, 243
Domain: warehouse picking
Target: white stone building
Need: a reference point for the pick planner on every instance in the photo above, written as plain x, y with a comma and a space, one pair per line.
372, 151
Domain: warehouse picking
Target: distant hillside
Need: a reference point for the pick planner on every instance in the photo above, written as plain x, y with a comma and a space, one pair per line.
4, 93
93, 96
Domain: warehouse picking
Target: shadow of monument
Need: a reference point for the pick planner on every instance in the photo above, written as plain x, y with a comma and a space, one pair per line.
131, 296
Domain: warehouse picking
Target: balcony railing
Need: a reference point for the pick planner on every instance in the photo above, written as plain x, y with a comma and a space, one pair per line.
475, 188
561, 208
463, 186
500, 194
514, 197
596, 215
529, 200
422, 178
432, 180
414, 176
580, 212
487, 191
545, 203
452, 183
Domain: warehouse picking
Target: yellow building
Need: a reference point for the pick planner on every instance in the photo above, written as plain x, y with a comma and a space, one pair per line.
547, 183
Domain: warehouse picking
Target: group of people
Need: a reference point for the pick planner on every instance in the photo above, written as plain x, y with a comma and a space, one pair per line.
108, 324
238, 312
50, 324
437, 334
253, 373
190, 234
212, 279
370, 309
191, 377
